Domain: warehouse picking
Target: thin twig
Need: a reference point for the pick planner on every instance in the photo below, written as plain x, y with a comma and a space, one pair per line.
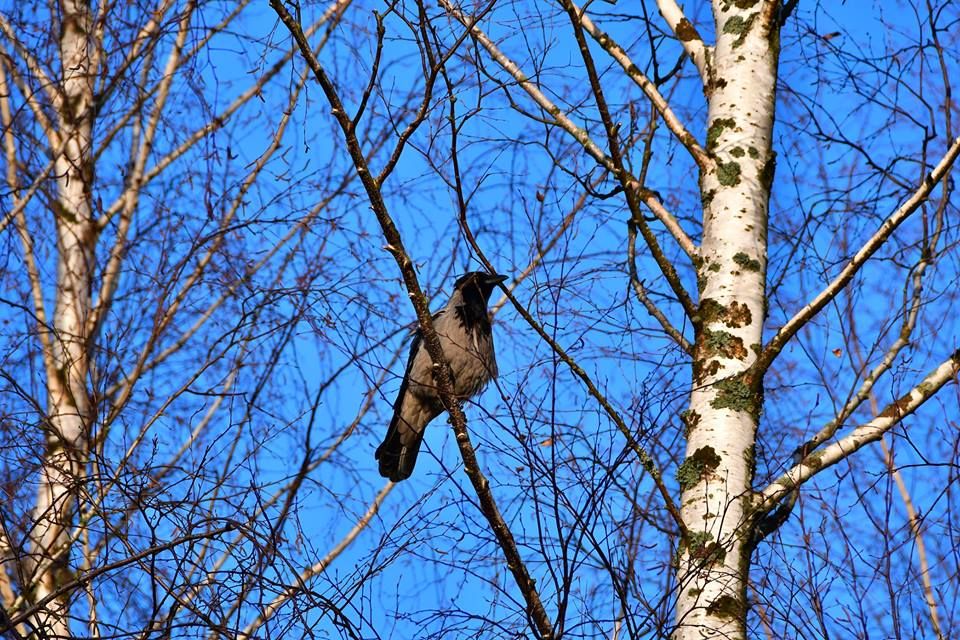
668, 220
862, 435
640, 290
689, 38
632, 188
633, 72
442, 373
320, 566
871, 246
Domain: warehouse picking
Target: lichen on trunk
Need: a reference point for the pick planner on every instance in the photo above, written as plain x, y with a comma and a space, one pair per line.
716, 478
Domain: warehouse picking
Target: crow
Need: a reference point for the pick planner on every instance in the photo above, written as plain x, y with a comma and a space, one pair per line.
463, 327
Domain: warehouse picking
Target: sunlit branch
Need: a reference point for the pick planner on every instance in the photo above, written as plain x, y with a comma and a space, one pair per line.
20, 201
648, 87
862, 435
776, 344
689, 38
633, 189
217, 121
145, 39
136, 107
916, 529
124, 386
132, 193
641, 292
320, 566
200, 268
47, 86
68, 587
915, 519
564, 121
441, 368
911, 314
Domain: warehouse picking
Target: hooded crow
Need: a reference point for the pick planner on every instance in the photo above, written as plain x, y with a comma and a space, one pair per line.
463, 327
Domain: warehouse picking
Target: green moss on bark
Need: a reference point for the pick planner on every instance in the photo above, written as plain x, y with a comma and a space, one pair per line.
746, 262
723, 343
703, 548
716, 130
728, 173
727, 607
740, 27
734, 393
734, 316
704, 460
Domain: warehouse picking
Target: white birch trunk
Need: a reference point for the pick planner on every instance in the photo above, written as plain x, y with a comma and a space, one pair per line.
68, 402
716, 477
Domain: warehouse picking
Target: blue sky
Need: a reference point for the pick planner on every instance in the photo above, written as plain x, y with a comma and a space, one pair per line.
426, 567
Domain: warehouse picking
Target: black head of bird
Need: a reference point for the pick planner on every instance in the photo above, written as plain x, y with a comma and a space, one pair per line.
463, 327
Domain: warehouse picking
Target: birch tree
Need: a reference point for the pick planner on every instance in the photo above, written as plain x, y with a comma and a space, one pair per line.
727, 401
634, 106
158, 256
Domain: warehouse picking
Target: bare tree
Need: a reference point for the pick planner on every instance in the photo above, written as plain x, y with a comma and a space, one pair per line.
166, 242
726, 404
625, 104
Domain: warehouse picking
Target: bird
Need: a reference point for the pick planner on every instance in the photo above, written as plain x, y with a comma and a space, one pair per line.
466, 337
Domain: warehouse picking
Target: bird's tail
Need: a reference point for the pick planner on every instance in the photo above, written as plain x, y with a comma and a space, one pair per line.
397, 454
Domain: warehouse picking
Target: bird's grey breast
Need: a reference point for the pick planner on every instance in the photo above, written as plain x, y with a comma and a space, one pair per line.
469, 349
467, 346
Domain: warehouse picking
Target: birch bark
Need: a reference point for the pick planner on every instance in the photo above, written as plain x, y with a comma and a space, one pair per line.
68, 400
716, 477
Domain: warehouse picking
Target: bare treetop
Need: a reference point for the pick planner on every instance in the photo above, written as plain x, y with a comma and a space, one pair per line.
727, 350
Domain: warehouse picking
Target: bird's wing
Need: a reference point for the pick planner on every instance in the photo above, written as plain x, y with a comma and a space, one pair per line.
415, 343
397, 454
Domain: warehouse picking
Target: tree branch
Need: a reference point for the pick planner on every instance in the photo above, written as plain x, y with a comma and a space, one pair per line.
626, 180
671, 119
213, 123
645, 459
641, 292
443, 374
320, 566
68, 587
131, 194
578, 133
788, 330
47, 87
866, 433
689, 38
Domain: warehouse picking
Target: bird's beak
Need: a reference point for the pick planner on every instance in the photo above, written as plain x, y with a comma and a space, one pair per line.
493, 279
